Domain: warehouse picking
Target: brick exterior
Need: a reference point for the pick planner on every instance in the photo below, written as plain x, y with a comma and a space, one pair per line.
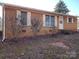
10, 18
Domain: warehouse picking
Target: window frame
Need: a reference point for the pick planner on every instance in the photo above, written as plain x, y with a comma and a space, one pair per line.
25, 20
51, 19
68, 18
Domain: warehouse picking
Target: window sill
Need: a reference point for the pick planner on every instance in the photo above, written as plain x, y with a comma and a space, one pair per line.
69, 22
25, 25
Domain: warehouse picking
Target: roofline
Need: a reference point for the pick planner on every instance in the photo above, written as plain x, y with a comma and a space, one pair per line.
39, 10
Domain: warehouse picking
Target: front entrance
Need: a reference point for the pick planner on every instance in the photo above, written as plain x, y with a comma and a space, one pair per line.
61, 23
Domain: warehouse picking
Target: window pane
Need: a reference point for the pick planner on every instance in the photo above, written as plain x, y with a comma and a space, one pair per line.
52, 20
23, 18
49, 21
70, 20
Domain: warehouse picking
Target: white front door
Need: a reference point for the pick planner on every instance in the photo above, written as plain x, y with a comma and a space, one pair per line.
78, 24
61, 22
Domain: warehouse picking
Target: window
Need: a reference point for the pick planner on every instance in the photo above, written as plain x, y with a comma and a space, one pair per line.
70, 20
23, 18
49, 22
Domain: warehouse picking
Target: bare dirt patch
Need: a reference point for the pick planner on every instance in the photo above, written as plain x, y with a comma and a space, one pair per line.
40, 48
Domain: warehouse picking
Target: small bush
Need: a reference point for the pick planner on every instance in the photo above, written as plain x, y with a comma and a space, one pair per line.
66, 32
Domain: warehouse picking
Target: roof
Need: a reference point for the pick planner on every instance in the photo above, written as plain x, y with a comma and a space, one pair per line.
38, 10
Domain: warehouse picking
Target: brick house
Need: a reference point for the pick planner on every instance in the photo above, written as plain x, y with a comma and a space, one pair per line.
51, 22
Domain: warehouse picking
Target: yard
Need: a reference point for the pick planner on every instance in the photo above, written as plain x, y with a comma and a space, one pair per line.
60, 46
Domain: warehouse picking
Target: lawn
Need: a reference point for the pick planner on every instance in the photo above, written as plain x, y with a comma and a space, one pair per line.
59, 46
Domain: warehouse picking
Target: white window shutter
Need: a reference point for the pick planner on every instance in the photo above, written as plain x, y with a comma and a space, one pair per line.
67, 20
43, 20
18, 16
55, 21
72, 20
28, 18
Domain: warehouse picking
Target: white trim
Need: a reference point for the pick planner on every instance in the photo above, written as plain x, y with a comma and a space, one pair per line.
61, 25
44, 20
55, 21
77, 24
18, 13
67, 20
18, 16
72, 20
28, 18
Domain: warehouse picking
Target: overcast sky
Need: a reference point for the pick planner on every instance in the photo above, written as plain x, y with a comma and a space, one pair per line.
49, 5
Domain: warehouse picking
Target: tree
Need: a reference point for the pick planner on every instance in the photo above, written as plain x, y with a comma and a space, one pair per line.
36, 25
16, 27
61, 7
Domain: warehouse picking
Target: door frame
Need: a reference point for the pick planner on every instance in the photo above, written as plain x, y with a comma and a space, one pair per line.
61, 22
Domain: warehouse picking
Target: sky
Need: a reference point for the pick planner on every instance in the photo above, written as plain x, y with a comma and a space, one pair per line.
48, 5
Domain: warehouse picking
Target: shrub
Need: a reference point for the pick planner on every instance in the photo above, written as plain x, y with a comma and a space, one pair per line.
66, 31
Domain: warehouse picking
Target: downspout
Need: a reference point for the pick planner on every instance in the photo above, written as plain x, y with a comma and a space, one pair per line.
3, 21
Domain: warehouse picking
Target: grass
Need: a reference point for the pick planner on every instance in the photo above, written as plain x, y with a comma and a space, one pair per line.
40, 48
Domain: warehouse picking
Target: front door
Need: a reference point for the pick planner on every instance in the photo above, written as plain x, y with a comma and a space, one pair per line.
61, 23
